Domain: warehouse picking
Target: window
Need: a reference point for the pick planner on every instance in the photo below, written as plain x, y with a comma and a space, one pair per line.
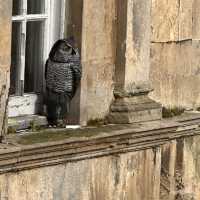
36, 24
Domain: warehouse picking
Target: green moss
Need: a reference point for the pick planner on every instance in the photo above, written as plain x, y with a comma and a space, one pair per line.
171, 112
11, 130
46, 136
97, 122
34, 126
50, 135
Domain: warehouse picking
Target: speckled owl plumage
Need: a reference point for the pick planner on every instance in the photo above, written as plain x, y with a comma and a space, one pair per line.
63, 68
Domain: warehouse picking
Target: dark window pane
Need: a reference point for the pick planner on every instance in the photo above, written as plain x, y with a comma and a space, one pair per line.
17, 7
15, 60
34, 57
35, 6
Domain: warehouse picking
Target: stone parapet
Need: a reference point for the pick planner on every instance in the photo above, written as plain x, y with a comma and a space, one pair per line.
128, 138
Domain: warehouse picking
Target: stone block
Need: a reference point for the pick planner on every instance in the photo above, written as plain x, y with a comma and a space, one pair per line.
134, 109
187, 168
173, 58
5, 33
168, 165
196, 19
196, 57
171, 20
25, 122
164, 25
174, 75
185, 20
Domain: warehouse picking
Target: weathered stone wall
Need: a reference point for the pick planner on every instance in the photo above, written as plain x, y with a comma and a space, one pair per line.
167, 172
175, 60
5, 44
128, 176
191, 168
98, 57
180, 170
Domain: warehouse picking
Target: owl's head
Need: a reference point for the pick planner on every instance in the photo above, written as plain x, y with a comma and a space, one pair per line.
61, 50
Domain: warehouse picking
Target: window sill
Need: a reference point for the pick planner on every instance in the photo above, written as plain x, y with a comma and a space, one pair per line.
25, 122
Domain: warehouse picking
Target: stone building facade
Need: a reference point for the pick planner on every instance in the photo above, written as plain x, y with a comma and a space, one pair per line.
174, 70
128, 48
114, 41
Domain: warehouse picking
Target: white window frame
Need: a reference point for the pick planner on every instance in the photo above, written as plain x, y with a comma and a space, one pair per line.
29, 103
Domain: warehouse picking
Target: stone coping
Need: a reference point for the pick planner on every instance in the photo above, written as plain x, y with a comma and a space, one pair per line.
16, 156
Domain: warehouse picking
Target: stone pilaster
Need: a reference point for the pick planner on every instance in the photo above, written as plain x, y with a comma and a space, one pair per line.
5, 44
132, 103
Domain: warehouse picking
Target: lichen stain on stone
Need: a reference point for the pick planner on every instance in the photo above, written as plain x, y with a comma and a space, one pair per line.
116, 169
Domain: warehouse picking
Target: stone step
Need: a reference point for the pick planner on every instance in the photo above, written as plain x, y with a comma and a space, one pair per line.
25, 122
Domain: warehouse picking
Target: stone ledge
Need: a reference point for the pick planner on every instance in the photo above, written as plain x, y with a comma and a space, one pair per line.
26, 121
16, 157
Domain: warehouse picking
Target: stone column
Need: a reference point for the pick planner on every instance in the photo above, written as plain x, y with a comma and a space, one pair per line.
74, 12
132, 103
5, 51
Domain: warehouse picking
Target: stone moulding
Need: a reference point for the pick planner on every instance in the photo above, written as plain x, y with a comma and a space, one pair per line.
146, 135
120, 93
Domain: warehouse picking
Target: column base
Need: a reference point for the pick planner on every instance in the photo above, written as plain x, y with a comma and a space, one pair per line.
139, 108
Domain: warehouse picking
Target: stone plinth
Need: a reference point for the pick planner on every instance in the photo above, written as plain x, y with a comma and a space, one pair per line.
134, 107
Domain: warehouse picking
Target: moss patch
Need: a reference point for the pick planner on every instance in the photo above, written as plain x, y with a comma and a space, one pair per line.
97, 122
50, 135
172, 112
11, 130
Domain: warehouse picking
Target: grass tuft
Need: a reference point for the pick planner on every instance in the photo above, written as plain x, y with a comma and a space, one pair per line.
172, 112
